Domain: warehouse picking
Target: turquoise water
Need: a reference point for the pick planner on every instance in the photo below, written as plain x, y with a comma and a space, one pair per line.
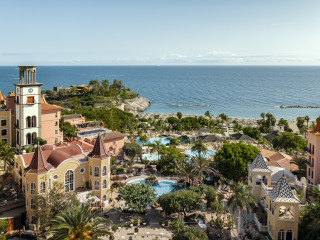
151, 157
194, 153
238, 91
163, 140
163, 187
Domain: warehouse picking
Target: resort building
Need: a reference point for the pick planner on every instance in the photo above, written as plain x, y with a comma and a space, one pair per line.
31, 116
78, 167
278, 204
313, 155
6, 125
74, 119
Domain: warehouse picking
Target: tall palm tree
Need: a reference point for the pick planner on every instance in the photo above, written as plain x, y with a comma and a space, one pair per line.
157, 146
77, 223
200, 148
240, 199
187, 170
307, 118
201, 166
7, 155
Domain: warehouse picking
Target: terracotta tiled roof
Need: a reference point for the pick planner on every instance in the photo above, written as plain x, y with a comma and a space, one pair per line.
99, 150
278, 159
38, 163
112, 135
49, 107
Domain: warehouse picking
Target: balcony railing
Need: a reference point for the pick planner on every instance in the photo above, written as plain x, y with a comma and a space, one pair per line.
310, 150
310, 164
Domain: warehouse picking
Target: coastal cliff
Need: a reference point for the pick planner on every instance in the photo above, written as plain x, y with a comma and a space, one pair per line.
138, 104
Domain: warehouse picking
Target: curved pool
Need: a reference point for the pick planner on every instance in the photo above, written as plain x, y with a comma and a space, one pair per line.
208, 154
163, 187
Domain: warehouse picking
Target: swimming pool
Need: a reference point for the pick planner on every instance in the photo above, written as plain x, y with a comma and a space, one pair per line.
150, 157
163, 187
163, 140
208, 154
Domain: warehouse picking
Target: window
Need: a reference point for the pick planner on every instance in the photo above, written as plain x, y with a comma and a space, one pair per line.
56, 131
281, 235
69, 181
3, 123
32, 188
55, 140
49, 183
18, 100
90, 172
30, 100
55, 177
20, 171
18, 138
56, 124
114, 151
96, 185
33, 220
114, 142
104, 171
42, 187
4, 132
34, 136
28, 122
289, 235
28, 139
104, 198
4, 140
17, 165
32, 204
17, 123
96, 171
82, 170
34, 121
104, 184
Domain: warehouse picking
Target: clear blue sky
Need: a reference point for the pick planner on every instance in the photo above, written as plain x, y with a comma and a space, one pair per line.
160, 32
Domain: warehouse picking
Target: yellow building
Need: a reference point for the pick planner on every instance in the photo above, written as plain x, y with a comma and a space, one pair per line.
6, 126
281, 206
78, 167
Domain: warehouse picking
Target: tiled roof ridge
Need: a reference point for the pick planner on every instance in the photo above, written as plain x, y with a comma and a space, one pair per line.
99, 149
39, 162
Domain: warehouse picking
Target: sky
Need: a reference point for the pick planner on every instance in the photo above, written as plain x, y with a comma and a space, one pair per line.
163, 32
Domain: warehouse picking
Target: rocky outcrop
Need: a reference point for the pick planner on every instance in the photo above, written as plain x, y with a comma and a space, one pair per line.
138, 104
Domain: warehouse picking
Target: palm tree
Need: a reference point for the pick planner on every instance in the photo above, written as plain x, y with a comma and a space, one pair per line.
200, 148
77, 223
7, 154
241, 198
157, 146
307, 118
300, 162
187, 170
201, 167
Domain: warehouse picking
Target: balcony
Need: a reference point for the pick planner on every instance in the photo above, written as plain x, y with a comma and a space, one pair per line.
310, 151
310, 164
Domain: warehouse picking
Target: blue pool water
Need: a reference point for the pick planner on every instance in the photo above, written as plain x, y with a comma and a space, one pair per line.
150, 157
163, 187
194, 153
163, 140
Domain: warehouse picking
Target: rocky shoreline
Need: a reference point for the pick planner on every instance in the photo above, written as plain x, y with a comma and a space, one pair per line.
138, 104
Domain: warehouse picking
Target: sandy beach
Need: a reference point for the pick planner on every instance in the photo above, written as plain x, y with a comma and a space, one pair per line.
243, 121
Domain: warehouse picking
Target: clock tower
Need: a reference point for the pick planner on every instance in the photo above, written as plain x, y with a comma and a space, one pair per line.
28, 107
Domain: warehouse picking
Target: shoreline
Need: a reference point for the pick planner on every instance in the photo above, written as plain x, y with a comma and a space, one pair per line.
244, 121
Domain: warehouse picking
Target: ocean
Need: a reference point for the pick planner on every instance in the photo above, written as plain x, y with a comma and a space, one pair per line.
238, 91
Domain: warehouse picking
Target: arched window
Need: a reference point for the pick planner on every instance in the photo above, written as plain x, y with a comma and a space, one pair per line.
18, 100
281, 235
258, 180
42, 187
90, 171
104, 198
265, 180
28, 139
34, 136
28, 122
104, 171
104, 184
69, 181
34, 121
32, 188
32, 204
96, 185
289, 235
96, 171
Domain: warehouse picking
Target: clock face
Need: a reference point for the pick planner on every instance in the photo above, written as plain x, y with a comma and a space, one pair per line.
30, 90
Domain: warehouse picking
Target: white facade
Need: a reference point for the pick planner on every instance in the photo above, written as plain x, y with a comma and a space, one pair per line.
28, 107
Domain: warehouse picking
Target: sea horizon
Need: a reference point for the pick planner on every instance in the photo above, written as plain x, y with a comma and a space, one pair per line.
240, 91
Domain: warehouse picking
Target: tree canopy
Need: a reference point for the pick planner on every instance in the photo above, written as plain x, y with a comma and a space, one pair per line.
137, 196
170, 161
267, 121
132, 150
235, 156
289, 142
252, 132
180, 201
182, 232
